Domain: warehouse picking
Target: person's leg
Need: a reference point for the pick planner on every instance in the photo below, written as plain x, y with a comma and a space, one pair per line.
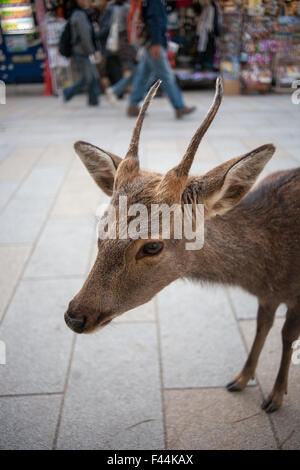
92, 78
141, 81
120, 87
77, 87
114, 68
162, 70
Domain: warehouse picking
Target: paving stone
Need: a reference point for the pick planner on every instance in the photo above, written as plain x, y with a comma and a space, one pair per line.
38, 343
22, 219
208, 419
12, 260
72, 200
58, 155
245, 305
7, 188
287, 419
227, 147
113, 400
41, 183
16, 166
4, 151
28, 423
201, 345
143, 313
63, 248
24, 215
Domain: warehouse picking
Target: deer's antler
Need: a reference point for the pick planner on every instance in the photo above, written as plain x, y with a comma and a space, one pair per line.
174, 181
134, 144
184, 166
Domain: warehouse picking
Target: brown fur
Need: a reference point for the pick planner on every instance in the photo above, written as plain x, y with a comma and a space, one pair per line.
251, 241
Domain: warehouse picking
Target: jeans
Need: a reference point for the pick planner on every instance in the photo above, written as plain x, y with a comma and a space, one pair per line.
120, 87
88, 76
160, 68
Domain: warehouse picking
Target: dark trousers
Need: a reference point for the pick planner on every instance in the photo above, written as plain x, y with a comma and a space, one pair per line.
88, 77
114, 70
206, 58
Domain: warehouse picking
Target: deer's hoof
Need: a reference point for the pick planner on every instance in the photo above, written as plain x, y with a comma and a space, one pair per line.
234, 387
269, 405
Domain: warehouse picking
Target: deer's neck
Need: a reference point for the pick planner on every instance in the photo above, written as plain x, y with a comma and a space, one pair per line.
233, 252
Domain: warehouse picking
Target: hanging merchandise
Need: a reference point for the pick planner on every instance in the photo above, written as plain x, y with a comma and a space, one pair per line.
231, 47
60, 67
260, 44
287, 57
258, 49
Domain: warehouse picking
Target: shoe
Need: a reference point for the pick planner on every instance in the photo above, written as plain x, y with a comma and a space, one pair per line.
133, 111
111, 96
61, 96
186, 110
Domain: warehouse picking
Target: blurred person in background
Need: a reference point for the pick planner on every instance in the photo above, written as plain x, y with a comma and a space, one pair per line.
126, 51
83, 53
208, 30
112, 64
154, 62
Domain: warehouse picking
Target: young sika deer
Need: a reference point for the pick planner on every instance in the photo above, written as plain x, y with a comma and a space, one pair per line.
252, 241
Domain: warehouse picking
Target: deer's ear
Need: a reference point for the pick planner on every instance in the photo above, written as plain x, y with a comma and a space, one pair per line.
223, 187
101, 165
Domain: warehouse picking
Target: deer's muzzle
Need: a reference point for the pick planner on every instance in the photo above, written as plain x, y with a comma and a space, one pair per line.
76, 324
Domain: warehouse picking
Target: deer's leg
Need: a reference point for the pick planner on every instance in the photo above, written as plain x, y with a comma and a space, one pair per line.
290, 332
265, 318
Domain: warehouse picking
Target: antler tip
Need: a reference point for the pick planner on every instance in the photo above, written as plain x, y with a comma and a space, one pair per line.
155, 87
219, 86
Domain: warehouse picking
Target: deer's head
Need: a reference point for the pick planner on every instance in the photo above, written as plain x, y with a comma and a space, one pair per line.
129, 272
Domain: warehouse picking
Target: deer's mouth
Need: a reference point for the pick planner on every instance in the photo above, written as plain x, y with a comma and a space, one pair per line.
103, 320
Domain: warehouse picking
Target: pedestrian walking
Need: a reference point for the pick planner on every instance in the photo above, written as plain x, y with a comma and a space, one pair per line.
84, 55
127, 53
113, 64
154, 62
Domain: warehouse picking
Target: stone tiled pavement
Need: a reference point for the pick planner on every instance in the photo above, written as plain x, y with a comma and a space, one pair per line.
155, 378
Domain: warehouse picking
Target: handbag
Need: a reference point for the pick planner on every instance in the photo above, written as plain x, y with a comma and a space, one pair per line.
112, 43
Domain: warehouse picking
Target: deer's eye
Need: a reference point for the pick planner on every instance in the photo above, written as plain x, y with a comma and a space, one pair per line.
150, 249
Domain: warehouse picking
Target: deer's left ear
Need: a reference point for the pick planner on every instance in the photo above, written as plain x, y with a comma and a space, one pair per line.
223, 187
101, 165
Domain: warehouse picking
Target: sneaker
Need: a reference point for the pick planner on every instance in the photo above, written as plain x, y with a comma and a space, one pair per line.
61, 96
182, 111
133, 111
111, 96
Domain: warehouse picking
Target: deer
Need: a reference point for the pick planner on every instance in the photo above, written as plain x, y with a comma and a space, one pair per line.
252, 240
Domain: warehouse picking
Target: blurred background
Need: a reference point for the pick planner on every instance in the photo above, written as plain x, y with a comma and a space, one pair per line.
155, 377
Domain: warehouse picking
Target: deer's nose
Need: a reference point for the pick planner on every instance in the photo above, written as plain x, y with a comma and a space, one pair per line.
76, 324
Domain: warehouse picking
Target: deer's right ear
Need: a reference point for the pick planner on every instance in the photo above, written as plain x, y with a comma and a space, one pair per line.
223, 187
101, 165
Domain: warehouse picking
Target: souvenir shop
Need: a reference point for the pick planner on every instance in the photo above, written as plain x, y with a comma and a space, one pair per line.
254, 44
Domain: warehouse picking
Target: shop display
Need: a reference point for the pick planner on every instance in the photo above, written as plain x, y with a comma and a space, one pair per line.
60, 67
254, 44
260, 43
22, 54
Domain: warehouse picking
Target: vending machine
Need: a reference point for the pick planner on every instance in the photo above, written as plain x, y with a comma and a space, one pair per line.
22, 54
